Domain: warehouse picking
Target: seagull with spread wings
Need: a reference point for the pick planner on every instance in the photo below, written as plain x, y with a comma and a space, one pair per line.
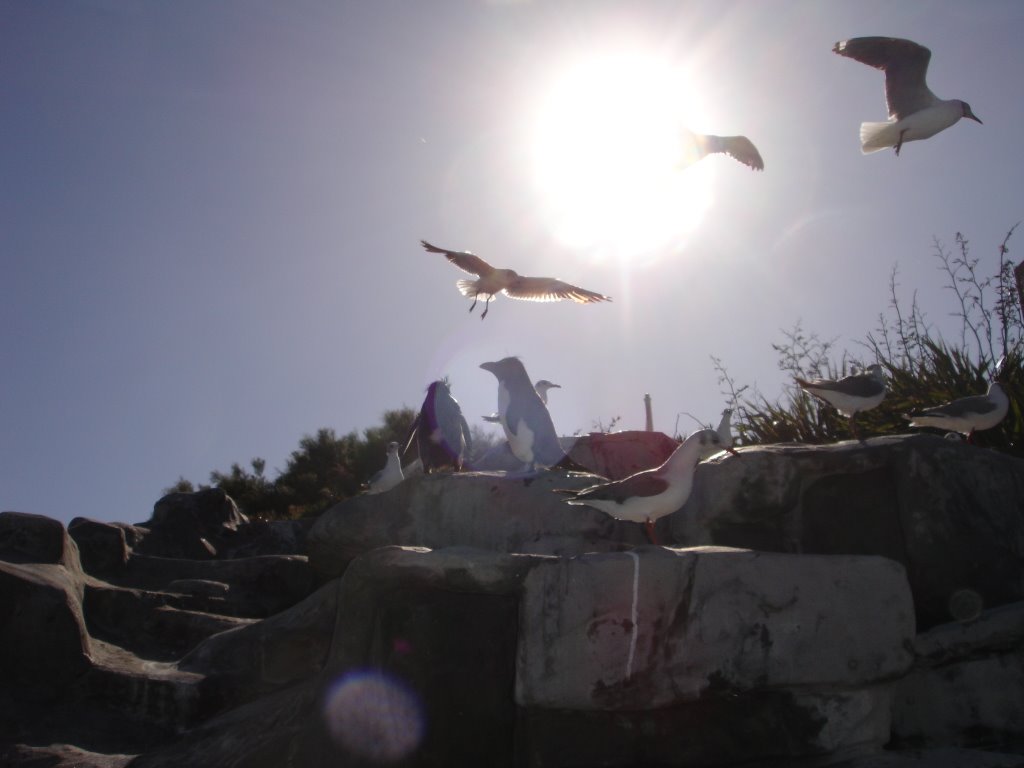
697, 146
492, 281
914, 111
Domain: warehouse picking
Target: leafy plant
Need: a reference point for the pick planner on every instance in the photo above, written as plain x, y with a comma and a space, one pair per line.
922, 368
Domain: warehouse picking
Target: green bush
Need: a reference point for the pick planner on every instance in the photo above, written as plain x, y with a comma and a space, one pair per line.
922, 368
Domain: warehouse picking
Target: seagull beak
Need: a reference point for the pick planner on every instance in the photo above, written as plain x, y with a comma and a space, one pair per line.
970, 115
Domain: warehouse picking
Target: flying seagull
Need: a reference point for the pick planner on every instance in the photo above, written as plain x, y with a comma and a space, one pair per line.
653, 493
492, 281
700, 145
851, 394
542, 386
966, 415
391, 475
914, 111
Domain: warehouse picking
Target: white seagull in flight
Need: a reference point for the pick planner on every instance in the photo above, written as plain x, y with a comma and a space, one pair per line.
737, 147
492, 281
914, 111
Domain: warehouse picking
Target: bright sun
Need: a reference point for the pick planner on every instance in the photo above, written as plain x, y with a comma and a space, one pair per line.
608, 149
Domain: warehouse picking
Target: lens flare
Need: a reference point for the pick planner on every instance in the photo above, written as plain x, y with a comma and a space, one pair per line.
374, 716
965, 605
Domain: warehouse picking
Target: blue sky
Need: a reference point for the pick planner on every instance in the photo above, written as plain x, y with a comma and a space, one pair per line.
210, 213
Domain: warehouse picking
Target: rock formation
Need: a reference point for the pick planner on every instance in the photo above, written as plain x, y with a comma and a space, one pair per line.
857, 605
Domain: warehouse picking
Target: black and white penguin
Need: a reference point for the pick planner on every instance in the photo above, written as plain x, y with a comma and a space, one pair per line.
441, 431
524, 417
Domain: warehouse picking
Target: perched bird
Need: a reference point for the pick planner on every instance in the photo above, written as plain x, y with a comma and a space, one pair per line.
851, 394
491, 281
697, 146
653, 493
914, 111
724, 429
391, 475
542, 386
524, 417
440, 429
965, 415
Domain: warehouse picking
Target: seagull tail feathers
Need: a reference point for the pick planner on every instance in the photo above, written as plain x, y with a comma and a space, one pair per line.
876, 136
466, 287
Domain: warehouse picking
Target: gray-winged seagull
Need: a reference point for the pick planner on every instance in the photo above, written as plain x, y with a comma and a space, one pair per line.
391, 475
724, 428
653, 493
851, 394
492, 281
914, 111
737, 147
965, 415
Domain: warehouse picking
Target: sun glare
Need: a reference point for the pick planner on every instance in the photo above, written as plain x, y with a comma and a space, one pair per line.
609, 156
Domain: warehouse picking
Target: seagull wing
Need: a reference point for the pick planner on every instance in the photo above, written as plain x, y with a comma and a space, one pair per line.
861, 385
464, 260
737, 147
965, 406
550, 289
641, 484
905, 64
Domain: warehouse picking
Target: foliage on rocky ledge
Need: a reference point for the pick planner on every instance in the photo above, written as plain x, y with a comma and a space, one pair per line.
922, 368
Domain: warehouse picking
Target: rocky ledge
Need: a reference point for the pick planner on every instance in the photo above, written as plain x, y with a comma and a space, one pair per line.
859, 605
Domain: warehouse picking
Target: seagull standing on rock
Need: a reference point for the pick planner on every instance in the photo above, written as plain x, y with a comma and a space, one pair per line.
966, 415
851, 394
724, 429
492, 281
646, 496
914, 111
391, 475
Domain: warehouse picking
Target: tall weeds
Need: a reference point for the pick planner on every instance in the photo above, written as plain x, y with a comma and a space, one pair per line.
923, 369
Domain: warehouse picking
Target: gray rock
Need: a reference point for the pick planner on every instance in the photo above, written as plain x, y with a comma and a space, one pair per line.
967, 688
503, 513
925, 758
44, 646
204, 587
190, 525
267, 537
951, 513
59, 756
656, 627
266, 656
154, 625
103, 547
28, 538
260, 586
